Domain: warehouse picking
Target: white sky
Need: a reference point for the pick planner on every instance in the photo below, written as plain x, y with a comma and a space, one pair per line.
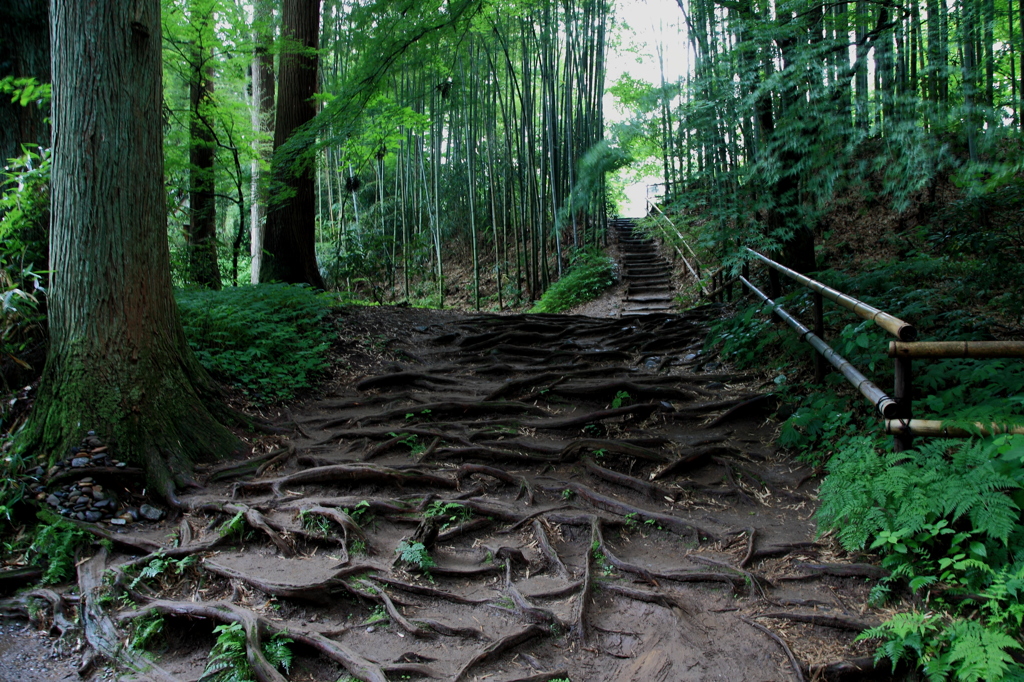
649, 22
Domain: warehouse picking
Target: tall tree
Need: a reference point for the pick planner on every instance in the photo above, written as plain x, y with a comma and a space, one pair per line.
290, 239
201, 234
263, 125
118, 361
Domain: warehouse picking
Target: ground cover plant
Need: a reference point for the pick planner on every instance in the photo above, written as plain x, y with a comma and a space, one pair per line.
269, 341
587, 278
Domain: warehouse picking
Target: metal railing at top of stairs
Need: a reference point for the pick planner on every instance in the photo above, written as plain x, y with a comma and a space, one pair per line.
897, 410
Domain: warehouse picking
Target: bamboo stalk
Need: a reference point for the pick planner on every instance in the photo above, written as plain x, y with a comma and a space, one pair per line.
934, 428
956, 349
885, 405
895, 326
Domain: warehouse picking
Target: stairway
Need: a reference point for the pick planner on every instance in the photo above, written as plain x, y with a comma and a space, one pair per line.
646, 274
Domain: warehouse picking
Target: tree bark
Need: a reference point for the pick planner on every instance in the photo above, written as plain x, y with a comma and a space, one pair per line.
118, 361
263, 124
290, 239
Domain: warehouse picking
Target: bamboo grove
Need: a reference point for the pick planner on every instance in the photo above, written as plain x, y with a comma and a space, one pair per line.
447, 135
787, 104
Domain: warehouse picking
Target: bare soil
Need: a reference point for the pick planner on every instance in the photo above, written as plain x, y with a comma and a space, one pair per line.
590, 497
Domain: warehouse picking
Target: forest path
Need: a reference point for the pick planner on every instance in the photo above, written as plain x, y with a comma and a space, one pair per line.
647, 275
509, 498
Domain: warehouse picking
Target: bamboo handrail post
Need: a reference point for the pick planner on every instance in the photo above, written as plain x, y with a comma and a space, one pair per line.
819, 329
903, 394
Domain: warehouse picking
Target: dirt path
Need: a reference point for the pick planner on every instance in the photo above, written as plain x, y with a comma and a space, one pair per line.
509, 498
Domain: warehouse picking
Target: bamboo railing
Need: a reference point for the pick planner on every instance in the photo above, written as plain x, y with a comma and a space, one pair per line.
897, 410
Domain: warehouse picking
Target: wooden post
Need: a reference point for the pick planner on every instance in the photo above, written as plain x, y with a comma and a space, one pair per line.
819, 331
902, 393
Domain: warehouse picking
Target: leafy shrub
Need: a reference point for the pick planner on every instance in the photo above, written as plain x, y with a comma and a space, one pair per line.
24, 222
590, 275
270, 340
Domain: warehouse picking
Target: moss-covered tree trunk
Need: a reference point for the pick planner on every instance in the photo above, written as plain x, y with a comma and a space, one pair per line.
118, 361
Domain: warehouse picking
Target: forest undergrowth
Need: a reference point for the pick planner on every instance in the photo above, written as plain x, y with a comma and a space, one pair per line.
945, 518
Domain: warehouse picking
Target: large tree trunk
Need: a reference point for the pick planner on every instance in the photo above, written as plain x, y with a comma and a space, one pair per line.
263, 124
24, 52
290, 239
118, 361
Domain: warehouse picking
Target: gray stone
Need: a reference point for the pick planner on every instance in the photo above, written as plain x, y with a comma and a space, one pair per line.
98, 494
52, 500
93, 516
118, 521
79, 462
150, 512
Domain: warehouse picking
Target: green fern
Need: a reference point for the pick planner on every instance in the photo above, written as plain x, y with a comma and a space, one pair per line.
228, 661
867, 493
957, 649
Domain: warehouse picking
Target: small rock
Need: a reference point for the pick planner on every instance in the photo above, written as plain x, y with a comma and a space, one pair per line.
652, 363
80, 516
118, 521
150, 512
712, 366
120, 464
98, 494
103, 504
79, 462
88, 480
98, 459
54, 470
715, 386
91, 433
93, 516
38, 471
370, 628
53, 500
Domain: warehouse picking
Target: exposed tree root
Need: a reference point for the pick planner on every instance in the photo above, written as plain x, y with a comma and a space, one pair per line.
313, 591
100, 632
659, 598
349, 473
820, 619
616, 447
672, 523
499, 647
257, 628
550, 555
797, 668
525, 488
838, 570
